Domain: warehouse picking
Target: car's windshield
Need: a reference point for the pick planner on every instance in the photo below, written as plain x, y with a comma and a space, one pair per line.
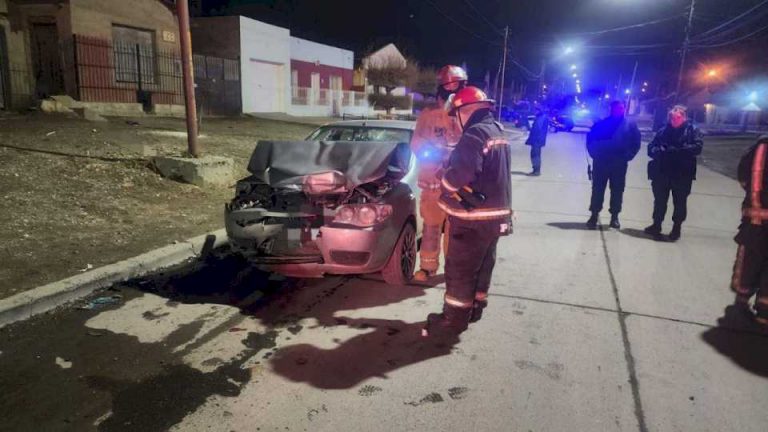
360, 133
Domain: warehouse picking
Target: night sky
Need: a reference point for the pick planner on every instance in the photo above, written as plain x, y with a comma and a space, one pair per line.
436, 32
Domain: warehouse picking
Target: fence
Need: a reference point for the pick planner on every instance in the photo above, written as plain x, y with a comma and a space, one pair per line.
305, 96
114, 72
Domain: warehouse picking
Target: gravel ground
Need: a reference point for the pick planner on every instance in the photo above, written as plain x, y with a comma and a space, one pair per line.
77, 195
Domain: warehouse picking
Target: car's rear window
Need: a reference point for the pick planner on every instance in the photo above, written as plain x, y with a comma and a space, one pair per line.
360, 133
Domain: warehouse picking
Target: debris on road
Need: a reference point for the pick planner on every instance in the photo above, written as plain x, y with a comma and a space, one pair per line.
87, 267
102, 301
51, 133
64, 364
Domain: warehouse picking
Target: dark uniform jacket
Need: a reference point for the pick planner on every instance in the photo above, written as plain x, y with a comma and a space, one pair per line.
673, 152
538, 135
613, 141
754, 235
481, 162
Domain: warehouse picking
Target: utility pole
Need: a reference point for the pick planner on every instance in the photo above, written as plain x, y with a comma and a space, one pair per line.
182, 9
503, 71
632, 86
684, 52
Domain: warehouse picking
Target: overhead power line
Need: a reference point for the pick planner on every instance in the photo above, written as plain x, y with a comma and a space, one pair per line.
461, 26
731, 21
629, 27
482, 16
733, 41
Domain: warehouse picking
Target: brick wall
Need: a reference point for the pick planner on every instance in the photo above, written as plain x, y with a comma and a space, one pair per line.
306, 69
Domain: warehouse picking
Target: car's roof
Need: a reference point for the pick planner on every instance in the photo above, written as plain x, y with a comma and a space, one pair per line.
391, 124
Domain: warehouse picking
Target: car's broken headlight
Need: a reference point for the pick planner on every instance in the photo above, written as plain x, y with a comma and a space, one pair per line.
363, 215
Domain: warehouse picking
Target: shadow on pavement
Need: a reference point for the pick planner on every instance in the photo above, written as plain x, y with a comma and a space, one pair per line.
640, 234
391, 345
739, 338
520, 173
581, 226
60, 374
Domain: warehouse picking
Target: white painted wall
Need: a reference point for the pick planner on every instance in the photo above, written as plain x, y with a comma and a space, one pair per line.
313, 52
265, 66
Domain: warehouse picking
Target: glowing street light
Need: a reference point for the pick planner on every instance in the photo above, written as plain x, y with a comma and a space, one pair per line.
753, 96
607, 96
627, 91
573, 67
575, 75
568, 50
712, 73
645, 84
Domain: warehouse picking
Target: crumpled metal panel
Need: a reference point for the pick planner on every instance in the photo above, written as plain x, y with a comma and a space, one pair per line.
283, 164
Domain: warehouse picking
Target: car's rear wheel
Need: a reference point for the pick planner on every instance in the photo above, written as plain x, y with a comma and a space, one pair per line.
402, 263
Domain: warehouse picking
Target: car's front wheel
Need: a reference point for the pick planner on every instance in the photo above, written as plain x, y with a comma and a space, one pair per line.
402, 263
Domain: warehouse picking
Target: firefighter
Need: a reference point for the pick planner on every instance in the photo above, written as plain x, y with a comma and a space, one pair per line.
750, 272
476, 196
435, 136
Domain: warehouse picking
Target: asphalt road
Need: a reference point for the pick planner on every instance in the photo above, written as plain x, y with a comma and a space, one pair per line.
586, 331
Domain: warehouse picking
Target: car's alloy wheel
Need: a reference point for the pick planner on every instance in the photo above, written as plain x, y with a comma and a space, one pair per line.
402, 263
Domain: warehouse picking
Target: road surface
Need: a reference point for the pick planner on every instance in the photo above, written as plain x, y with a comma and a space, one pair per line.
586, 331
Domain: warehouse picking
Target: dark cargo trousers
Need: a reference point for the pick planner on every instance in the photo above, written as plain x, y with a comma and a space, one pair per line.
750, 278
469, 266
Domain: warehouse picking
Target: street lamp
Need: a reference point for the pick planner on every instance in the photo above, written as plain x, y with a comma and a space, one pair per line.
627, 91
712, 73
575, 75
568, 50
607, 96
573, 67
753, 96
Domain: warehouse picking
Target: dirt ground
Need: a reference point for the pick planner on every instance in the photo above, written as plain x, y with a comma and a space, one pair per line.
79, 195
722, 153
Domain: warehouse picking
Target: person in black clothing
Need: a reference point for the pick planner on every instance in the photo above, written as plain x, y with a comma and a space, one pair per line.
673, 169
611, 143
476, 196
537, 138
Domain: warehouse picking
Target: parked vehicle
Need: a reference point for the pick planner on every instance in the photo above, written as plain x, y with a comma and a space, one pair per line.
342, 202
559, 123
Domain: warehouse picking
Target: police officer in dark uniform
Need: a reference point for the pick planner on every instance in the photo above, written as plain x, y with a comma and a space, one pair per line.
750, 273
476, 197
611, 143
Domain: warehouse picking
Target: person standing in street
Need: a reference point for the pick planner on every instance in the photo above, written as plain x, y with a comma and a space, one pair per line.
476, 195
612, 143
435, 136
672, 169
537, 138
750, 272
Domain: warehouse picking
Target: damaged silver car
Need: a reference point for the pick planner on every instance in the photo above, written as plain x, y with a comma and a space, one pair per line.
339, 203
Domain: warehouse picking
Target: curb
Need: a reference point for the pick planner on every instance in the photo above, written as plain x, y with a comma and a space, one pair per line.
44, 298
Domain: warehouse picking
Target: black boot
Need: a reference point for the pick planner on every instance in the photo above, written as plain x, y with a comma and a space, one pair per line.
676, 232
653, 229
451, 322
477, 311
615, 224
592, 222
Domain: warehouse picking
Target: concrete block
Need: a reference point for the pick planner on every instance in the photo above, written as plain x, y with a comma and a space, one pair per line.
89, 114
66, 101
204, 171
52, 106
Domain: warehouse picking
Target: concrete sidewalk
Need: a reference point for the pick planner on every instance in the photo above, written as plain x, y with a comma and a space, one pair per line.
586, 331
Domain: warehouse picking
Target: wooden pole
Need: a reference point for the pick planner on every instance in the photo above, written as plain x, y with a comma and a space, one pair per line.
188, 76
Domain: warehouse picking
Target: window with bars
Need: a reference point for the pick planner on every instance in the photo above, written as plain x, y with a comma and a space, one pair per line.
135, 56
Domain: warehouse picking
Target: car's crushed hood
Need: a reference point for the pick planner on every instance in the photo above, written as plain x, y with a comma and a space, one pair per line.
284, 164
